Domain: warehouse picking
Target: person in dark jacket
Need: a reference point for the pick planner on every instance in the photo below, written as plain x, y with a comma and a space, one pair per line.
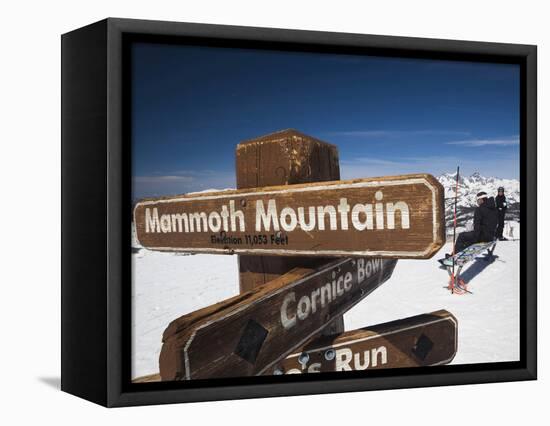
502, 206
485, 223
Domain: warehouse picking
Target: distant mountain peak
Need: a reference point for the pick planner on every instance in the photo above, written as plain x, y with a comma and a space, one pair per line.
469, 186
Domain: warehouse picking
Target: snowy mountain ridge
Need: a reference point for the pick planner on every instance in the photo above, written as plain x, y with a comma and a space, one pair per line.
469, 186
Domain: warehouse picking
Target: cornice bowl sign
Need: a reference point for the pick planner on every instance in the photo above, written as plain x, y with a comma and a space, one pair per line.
393, 217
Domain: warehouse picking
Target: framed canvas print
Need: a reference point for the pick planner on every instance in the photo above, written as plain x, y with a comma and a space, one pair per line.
252, 212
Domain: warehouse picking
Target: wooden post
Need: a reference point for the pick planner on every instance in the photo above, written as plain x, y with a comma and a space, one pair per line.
283, 158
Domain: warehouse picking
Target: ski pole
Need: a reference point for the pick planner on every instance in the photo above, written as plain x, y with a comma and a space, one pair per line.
454, 229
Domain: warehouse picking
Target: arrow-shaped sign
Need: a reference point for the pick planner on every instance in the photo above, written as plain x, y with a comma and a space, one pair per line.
248, 334
390, 217
422, 340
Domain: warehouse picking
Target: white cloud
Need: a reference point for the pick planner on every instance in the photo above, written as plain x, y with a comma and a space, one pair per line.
399, 133
163, 179
509, 141
502, 166
180, 182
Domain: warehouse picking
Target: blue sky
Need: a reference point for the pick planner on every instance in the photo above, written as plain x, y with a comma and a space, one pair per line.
192, 105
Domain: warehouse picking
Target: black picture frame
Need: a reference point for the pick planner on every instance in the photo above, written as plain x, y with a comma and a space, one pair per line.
96, 212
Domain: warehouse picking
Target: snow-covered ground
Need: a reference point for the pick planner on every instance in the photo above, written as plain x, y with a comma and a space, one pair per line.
488, 319
168, 285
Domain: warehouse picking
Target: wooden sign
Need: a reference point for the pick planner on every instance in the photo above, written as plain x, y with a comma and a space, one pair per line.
247, 334
392, 217
422, 340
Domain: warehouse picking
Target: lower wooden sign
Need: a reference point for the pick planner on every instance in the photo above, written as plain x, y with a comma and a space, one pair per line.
422, 340
248, 334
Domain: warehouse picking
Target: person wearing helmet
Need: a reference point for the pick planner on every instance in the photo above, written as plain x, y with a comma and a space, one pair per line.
502, 206
485, 224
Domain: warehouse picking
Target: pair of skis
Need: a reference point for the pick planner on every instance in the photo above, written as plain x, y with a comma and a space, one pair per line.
456, 284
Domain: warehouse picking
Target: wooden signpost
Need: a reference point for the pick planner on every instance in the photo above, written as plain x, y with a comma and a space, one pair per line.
422, 340
286, 157
391, 217
290, 217
248, 334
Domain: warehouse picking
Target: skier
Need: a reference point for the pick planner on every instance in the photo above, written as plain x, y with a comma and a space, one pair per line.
501, 206
485, 224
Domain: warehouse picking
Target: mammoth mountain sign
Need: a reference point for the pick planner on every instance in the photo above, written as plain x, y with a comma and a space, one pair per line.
397, 216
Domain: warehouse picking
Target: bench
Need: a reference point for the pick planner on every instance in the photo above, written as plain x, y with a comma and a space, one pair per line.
454, 264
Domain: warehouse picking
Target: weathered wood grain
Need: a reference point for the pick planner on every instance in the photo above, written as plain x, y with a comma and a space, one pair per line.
247, 334
421, 340
390, 217
150, 378
283, 158
286, 157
